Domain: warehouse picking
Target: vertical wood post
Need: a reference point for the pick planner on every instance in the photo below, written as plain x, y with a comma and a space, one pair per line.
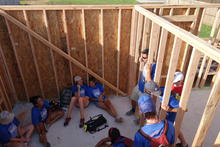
34, 54
132, 73
51, 52
17, 59
118, 47
67, 42
208, 113
84, 37
162, 47
172, 68
187, 87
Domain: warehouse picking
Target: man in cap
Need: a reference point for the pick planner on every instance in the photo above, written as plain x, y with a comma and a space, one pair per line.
80, 99
177, 85
12, 134
154, 132
146, 75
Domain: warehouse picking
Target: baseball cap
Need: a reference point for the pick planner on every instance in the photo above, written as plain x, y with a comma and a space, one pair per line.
6, 117
152, 87
77, 78
178, 76
145, 104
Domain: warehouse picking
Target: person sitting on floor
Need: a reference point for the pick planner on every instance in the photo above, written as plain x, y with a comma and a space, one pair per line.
12, 134
154, 132
43, 116
96, 95
115, 139
80, 99
139, 88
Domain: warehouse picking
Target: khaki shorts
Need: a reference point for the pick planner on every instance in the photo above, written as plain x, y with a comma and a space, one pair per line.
136, 93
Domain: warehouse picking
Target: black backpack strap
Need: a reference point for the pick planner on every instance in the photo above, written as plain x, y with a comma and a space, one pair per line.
145, 135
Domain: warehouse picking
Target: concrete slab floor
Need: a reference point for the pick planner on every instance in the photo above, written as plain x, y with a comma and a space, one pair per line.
73, 136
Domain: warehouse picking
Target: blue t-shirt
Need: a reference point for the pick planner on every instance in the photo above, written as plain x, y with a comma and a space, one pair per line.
141, 81
9, 131
119, 143
40, 115
155, 131
83, 90
95, 92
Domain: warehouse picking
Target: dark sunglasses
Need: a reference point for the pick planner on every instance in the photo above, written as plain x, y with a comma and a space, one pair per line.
144, 57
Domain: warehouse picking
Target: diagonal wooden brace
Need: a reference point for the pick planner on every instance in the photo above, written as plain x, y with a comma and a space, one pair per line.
58, 50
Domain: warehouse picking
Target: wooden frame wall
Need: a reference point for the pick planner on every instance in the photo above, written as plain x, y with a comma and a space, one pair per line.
86, 36
79, 32
199, 47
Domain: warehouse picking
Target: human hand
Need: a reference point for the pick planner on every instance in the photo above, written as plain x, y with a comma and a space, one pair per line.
165, 107
100, 99
140, 59
148, 67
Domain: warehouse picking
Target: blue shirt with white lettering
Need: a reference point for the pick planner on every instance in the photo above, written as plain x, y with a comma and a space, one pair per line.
95, 92
141, 81
40, 115
155, 131
9, 131
83, 90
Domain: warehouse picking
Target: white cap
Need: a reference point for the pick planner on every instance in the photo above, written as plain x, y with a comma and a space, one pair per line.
6, 117
178, 76
77, 78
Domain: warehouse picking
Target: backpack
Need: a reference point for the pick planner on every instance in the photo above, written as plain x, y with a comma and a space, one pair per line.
65, 97
95, 124
162, 141
126, 141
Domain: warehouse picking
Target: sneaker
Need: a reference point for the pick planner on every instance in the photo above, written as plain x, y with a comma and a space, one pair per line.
81, 122
130, 112
136, 121
66, 122
181, 145
47, 144
119, 119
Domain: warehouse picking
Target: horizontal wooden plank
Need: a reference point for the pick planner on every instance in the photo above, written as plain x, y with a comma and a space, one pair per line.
188, 37
69, 7
180, 18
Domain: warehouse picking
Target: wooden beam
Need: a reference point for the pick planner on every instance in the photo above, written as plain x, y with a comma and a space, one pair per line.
84, 38
159, 64
188, 37
68, 43
217, 141
17, 59
132, 74
180, 18
194, 30
58, 51
187, 87
101, 39
145, 40
204, 77
202, 17
8, 75
51, 52
34, 54
154, 39
138, 39
5, 96
201, 69
170, 75
214, 30
208, 113
118, 47
79, 7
